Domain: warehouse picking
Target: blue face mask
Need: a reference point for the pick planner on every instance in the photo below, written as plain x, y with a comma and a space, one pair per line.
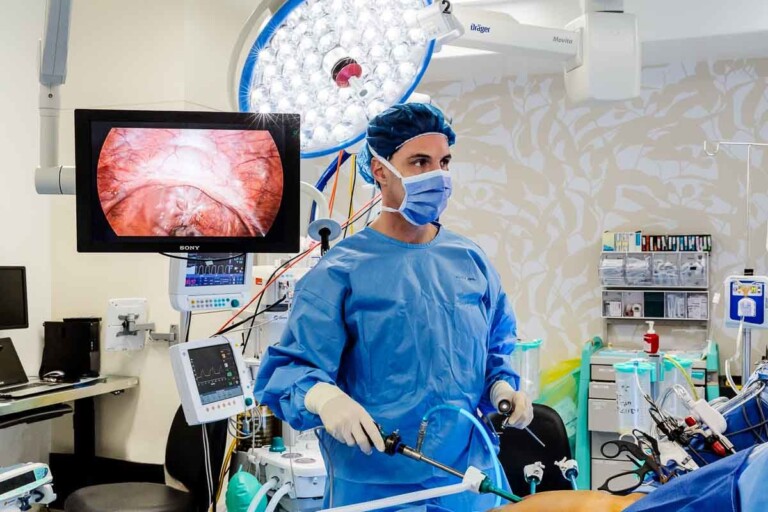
426, 195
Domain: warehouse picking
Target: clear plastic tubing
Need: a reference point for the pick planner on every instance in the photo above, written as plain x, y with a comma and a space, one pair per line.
259, 496
480, 428
672, 378
633, 380
402, 499
285, 489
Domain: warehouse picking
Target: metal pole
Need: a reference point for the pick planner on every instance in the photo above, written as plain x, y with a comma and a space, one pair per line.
746, 357
186, 317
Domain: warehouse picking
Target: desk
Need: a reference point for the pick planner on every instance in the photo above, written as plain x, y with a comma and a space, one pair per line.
103, 386
84, 419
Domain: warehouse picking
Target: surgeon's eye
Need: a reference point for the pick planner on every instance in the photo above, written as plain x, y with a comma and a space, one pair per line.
420, 162
444, 163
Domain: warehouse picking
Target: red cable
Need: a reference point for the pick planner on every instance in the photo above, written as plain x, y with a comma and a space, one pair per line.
294, 262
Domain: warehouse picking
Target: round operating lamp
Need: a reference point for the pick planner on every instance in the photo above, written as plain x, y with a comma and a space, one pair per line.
337, 63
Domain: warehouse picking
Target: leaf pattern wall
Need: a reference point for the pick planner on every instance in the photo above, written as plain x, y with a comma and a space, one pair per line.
537, 181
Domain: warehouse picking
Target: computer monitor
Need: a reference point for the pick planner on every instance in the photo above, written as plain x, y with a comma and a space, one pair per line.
161, 181
13, 298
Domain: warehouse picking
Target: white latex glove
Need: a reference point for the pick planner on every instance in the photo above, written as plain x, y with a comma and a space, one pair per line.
521, 414
343, 418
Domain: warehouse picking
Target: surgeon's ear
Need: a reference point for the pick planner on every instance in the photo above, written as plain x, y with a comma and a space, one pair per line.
377, 169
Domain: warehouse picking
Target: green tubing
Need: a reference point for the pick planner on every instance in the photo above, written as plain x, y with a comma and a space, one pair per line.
487, 488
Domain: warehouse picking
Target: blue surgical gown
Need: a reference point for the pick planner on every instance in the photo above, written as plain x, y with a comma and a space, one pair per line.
733, 484
400, 328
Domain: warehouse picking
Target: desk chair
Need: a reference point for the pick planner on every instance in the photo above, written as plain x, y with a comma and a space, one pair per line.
518, 449
184, 461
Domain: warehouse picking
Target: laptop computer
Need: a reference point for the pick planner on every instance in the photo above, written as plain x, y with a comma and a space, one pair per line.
14, 383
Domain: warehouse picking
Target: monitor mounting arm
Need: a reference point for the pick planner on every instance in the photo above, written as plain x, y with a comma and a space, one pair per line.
50, 176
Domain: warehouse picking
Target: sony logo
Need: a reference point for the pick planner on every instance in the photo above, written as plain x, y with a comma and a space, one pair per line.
189, 247
558, 39
479, 28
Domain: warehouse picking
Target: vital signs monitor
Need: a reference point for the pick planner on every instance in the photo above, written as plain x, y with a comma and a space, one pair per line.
210, 281
212, 379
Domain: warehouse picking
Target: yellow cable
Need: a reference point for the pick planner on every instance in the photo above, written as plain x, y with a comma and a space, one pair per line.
223, 471
685, 374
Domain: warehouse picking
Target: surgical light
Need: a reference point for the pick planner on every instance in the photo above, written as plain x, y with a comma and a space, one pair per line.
336, 63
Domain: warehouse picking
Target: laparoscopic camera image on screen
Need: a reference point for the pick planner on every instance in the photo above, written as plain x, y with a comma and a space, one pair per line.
156, 182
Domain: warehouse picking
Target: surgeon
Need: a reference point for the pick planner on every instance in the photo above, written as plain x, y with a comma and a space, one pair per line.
401, 317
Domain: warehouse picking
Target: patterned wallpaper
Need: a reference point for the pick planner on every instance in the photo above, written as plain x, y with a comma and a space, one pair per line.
538, 180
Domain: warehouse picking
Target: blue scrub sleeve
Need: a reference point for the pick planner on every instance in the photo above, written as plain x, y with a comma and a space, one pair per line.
309, 352
502, 339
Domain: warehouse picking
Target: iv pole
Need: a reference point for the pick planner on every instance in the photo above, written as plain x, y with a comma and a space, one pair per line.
746, 354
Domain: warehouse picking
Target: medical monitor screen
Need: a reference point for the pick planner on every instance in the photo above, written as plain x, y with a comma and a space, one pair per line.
13, 298
186, 181
13, 483
220, 271
215, 372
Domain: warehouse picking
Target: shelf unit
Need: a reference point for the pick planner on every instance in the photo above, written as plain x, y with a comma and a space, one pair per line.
638, 287
659, 286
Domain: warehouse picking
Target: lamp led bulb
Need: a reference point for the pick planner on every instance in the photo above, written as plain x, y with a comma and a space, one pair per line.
306, 45
311, 117
326, 42
321, 134
321, 27
342, 132
394, 34
401, 52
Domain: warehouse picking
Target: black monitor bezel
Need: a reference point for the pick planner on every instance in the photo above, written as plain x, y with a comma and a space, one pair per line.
24, 292
284, 129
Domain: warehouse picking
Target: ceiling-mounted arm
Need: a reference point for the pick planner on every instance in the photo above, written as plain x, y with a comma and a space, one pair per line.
50, 176
499, 32
600, 50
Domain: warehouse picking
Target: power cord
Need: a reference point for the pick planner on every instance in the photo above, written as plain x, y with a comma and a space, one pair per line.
251, 318
207, 464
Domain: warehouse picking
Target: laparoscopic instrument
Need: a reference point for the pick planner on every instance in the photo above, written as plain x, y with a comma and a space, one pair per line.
505, 408
394, 445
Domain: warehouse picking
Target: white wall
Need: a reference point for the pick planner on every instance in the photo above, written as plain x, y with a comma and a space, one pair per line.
25, 228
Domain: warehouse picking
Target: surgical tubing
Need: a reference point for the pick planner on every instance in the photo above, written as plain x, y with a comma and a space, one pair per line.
572, 478
285, 489
262, 493
488, 488
533, 487
685, 375
483, 433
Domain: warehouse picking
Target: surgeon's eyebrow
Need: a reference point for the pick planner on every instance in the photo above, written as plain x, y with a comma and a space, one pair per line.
429, 157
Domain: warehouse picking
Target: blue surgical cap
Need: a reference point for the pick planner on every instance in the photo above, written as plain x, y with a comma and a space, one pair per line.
388, 131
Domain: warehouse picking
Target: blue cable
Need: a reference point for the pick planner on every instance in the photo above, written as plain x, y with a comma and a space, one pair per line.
479, 426
572, 478
533, 487
324, 178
